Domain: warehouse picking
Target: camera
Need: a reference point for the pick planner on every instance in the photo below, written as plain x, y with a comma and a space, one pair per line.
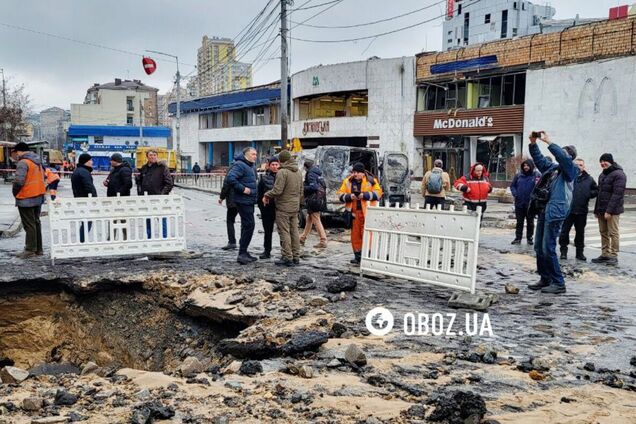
535, 134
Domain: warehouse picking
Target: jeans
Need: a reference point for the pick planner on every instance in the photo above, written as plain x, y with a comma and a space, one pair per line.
545, 248
30, 217
246, 212
526, 215
268, 216
230, 219
164, 227
578, 221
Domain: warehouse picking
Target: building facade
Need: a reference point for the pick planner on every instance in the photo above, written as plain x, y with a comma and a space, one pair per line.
481, 21
215, 128
218, 69
122, 102
366, 104
101, 141
479, 103
52, 126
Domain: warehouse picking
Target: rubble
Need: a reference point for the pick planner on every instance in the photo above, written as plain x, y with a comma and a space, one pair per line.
13, 375
457, 408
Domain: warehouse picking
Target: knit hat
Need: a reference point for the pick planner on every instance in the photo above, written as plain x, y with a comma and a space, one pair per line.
284, 156
438, 163
308, 163
117, 157
606, 157
571, 150
358, 167
272, 159
83, 158
21, 147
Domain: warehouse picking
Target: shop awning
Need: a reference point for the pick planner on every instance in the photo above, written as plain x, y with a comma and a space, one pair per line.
488, 138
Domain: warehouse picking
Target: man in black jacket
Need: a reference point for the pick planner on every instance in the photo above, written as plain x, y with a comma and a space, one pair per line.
609, 207
268, 212
585, 188
154, 179
82, 185
230, 215
119, 181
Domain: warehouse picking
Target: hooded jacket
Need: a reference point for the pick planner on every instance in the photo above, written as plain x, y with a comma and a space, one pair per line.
119, 180
479, 187
288, 188
21, 171
585, 188
313, 179
154, 179
561, 188
265, 184
242, 174
611, 191
523, 183
82, 182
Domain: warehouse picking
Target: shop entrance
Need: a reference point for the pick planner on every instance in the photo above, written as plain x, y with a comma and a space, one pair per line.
451, 150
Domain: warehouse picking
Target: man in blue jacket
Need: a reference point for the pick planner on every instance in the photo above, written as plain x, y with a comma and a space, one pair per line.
551, 199
242, 180
521, 188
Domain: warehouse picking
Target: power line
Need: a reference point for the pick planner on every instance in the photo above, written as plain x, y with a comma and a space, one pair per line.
313, 7
333, 4
347, 40
373, 22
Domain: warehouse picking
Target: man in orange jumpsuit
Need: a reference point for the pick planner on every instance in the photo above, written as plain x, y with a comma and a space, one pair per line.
356, 192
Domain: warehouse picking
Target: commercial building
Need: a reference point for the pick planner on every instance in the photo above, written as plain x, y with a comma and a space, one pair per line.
368, 103
122, 102
481, 21
214, 128
101, 141
218, 69
479, 103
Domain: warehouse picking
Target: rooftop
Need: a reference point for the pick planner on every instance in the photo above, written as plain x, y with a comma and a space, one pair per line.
120, 84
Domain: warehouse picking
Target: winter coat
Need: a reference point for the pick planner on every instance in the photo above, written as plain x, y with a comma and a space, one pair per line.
227, 194
314, 190
611, 191
241, 175
561, 188
265, 184
288, 188
479, 187
445, 183
523, 183
21, 177
82, 182
154, 179
585, 188
312, 182
119, 180
196, 169
368, 187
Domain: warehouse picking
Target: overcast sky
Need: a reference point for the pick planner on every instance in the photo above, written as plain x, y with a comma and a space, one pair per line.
58, 72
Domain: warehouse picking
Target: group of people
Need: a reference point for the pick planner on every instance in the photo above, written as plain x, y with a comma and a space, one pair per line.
280, 193
32, 180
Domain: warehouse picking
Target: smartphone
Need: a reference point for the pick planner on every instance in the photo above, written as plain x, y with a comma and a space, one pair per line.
536, 134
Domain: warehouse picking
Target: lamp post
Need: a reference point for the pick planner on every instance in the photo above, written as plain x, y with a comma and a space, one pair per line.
178, 80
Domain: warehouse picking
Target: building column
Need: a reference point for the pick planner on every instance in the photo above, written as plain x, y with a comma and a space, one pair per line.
230, 152
211, 154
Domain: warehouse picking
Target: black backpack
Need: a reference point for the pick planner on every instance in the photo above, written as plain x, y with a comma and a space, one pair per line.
317, 201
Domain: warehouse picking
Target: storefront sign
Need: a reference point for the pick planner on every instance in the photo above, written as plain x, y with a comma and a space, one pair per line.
483, 122
315, 82
450, 8
320, 127
465, 122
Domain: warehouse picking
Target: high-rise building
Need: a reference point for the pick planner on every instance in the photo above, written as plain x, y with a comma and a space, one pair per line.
480, 21
218, 70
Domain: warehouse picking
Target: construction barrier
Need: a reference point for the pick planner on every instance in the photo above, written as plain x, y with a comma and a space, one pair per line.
115, 226
432, 246
206, 181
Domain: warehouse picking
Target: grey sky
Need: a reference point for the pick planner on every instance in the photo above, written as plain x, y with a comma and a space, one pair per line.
58, 72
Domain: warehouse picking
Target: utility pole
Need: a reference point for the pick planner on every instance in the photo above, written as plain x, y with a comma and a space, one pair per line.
284, 74
4, 90
178, 125
141, 124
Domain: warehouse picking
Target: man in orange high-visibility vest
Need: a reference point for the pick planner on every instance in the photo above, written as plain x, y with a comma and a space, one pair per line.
29, 190
355, 191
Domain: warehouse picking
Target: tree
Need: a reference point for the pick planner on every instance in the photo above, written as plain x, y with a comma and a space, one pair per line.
15, 108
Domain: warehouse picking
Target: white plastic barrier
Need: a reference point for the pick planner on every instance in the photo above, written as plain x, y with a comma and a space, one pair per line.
115, 226
427, 245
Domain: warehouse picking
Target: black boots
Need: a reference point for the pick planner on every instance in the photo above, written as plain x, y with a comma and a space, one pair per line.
564, 253
357, 258
579, 255
516, 241
540, 285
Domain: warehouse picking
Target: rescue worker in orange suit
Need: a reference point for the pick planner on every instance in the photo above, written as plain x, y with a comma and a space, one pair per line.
356, 191
29, 190
52, 180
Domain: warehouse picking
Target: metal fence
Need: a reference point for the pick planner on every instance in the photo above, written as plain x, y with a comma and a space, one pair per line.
116, 226
432, 246
206, 181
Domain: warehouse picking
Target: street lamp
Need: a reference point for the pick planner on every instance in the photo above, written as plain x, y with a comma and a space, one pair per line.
178, 80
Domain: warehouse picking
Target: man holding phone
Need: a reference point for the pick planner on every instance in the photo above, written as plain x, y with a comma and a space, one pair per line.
551, 200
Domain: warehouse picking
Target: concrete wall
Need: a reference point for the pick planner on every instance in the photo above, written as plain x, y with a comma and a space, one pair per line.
589, 105
391, 96
112, 109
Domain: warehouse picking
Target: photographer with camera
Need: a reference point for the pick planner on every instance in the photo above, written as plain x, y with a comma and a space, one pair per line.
550, 201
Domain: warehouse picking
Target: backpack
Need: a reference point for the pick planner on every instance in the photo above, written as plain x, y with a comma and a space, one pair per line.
435, 182
317, 201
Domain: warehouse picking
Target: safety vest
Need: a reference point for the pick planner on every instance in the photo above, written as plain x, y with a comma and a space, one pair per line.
372, 187
33, 182
51, 176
